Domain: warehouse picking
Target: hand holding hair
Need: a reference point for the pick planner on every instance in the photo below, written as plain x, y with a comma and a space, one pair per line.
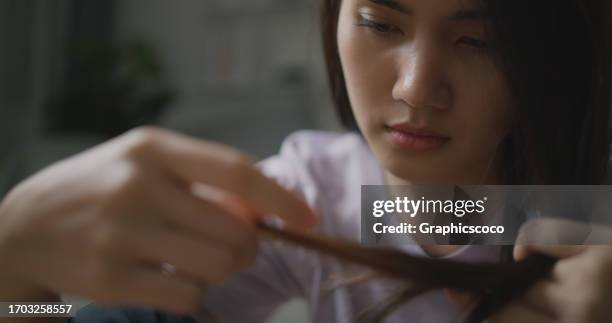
493, 285
578, 289
101, 224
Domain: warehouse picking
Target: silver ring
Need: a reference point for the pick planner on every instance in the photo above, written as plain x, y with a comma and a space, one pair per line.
168, 269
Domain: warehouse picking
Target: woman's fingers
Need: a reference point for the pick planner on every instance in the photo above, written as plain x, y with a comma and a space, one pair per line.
207, 220
139, 285
458, 297
193, 257
131, 201
579, 285
523, 251
559, 238
517, 312
545, 296
194, 161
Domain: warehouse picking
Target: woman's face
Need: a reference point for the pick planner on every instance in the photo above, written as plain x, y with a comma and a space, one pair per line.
424, 89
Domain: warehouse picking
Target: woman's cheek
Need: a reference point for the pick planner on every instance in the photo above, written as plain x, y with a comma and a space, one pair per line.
367, 77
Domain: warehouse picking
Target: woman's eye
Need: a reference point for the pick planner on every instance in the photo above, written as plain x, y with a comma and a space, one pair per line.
473, 42
378, 26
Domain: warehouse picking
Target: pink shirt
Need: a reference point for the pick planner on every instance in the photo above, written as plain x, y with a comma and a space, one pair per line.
327, 169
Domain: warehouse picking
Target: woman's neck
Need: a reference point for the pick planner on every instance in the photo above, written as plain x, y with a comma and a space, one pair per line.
492, 178
435, 250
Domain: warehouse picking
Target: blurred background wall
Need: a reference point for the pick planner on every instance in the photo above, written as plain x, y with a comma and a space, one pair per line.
74, 73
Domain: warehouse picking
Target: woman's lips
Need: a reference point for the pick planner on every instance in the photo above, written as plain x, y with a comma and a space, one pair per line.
415, 139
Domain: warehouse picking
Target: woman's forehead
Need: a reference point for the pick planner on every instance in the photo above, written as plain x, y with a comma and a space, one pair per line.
455, 9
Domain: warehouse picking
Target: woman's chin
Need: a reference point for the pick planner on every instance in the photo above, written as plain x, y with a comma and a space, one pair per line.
415, 172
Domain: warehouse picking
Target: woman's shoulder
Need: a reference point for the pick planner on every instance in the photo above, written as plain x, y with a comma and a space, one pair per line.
327, 169
312, 146
318, 157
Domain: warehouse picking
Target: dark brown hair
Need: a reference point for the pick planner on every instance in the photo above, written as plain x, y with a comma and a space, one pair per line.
555, 55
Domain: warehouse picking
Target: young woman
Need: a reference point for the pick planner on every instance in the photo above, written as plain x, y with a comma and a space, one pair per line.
436, 91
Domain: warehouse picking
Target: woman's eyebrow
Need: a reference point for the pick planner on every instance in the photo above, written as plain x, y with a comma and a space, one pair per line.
461, 15
392, 4
468, 14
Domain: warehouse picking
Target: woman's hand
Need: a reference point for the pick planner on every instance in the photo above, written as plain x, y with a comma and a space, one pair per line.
579, 289
101, 224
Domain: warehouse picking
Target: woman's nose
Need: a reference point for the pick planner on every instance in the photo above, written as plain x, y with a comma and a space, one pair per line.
422, 77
